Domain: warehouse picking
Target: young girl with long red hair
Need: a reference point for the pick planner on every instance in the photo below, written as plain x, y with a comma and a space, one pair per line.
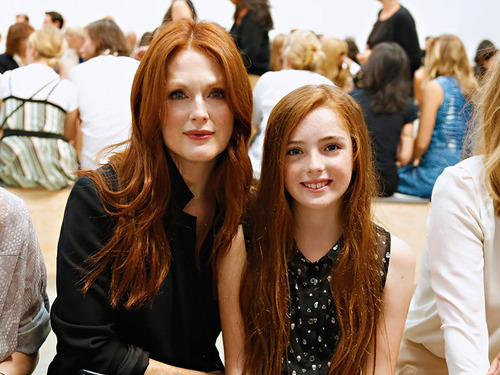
324, 290
142, 255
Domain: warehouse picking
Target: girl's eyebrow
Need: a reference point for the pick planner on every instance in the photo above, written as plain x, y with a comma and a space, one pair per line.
337, 138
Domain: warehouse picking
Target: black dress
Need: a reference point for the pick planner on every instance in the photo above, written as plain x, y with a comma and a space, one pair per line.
252, 39
314, 328
385, 132
179, 328
399, 28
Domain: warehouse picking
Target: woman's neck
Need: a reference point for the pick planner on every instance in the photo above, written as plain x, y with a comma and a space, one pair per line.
389, 8
316, 231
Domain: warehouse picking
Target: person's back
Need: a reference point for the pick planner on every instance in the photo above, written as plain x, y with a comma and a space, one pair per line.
38, 115
104, 84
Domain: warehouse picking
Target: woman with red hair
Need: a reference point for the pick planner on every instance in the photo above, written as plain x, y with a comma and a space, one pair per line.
324, 290
145, 242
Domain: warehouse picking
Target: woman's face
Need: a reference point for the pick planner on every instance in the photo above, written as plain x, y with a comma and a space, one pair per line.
198, 123
319, 161
88, 48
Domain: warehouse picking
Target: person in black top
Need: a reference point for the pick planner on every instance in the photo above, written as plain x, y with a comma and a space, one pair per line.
389, 112
15, 47
147, 241
318, 291
395, 24
252, 22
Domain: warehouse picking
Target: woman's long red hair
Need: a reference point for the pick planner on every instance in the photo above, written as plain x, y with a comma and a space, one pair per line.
356, 281
138, 252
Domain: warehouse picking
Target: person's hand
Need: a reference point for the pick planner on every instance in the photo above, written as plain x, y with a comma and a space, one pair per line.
364, 56
495, 366
139, 52
416, 162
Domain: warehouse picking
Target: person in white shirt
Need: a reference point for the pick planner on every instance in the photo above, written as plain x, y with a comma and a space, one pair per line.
453, 326
302, 58
104, 83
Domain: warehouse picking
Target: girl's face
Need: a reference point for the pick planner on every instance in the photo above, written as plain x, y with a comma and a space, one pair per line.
199, 122
88, 48
319, 161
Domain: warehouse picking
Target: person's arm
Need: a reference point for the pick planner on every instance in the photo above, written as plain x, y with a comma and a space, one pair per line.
432, 98
395, 303
230, 269
405, 146
19, 364
85, 324
71, 125
456, 258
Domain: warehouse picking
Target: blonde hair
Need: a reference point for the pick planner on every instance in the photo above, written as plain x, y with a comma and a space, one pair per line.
333, 49
303, 51
489, 131
276, 61
446, 56
49, 42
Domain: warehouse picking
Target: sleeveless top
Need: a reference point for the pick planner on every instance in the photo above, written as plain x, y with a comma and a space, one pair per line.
314, 328
33, 152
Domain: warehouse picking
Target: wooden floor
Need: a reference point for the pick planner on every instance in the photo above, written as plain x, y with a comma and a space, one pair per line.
405, 220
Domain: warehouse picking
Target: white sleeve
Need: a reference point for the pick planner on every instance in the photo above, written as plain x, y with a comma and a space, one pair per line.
4, 85
257, 104
455, 243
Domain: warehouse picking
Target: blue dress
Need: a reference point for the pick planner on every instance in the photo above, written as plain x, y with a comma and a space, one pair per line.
446, 146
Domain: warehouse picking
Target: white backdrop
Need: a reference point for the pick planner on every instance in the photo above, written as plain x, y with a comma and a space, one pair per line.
471, 20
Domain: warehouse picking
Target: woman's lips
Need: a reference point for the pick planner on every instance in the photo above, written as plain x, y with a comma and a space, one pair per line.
199, 135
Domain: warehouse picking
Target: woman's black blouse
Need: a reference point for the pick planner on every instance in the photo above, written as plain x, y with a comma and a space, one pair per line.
314, 330
179, 328
252, 39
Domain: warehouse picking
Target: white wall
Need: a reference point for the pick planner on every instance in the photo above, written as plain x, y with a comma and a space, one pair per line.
471, 20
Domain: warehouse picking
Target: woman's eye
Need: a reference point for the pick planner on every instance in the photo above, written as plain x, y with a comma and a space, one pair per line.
294, 151
177, 95
331, 147
218, 94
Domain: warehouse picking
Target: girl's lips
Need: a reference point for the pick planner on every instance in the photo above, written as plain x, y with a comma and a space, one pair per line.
316, 186
199, 135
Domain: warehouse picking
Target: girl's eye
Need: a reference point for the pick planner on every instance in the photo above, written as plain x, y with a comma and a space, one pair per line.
218, 94
177, 95
331, 147
294, 151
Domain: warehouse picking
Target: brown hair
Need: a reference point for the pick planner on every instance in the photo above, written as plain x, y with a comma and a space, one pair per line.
17, 32
356, 283
108, 37
489, 131
138, 251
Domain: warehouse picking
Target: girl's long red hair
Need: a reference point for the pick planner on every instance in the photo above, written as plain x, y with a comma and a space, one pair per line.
138, 252
356, 280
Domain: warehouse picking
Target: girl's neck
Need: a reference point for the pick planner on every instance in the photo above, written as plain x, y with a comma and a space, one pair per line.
389, 8
316, 231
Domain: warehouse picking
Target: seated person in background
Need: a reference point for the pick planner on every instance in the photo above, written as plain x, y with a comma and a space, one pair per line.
444, 115
336, 63
24, 310
38, 112
389, 111
484, 58
15, 47
302, 58
453, 326
104, 82
276, 57
180, 9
